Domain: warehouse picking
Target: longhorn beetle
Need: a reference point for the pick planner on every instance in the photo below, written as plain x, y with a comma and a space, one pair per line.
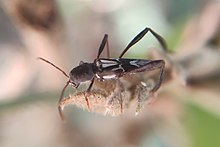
112, 68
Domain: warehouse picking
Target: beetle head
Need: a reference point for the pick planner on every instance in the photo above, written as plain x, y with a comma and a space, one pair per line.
82, 73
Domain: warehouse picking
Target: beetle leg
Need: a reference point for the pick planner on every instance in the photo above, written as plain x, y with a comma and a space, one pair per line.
88, 90
107, 46
141, 35
161, 66
102, 46
90, 86
87, 102
154, 64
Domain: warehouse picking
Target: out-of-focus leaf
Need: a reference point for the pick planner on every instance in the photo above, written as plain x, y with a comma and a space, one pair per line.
203, 127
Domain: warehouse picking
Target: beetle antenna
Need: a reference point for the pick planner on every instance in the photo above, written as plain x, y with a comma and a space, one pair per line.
39, 58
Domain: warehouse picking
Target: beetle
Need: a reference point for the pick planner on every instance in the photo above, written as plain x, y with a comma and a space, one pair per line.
112, 68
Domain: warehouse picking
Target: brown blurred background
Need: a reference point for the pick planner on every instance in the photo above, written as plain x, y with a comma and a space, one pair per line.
187, 110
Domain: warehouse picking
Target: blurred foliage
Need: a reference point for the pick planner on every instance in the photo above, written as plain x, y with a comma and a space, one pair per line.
76, 35
202, 125
28, 99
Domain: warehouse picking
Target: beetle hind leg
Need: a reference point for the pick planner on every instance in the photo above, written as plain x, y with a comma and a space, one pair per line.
153, 65
161, 66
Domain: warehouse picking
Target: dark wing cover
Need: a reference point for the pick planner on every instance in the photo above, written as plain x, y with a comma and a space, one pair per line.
121, 66
130, 65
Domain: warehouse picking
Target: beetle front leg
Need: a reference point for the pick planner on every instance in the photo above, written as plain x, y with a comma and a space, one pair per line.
90, 86
160, 64
88, 90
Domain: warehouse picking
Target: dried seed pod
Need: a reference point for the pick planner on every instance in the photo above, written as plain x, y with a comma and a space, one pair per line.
112, 97
106, 97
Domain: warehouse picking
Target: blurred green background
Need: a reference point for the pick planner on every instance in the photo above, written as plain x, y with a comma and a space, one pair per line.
187, 110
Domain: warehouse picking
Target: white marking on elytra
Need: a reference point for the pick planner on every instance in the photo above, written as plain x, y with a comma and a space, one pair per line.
98, 76
108, 63
118, 68
122, 68
109, 76
104, 65
134, 62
